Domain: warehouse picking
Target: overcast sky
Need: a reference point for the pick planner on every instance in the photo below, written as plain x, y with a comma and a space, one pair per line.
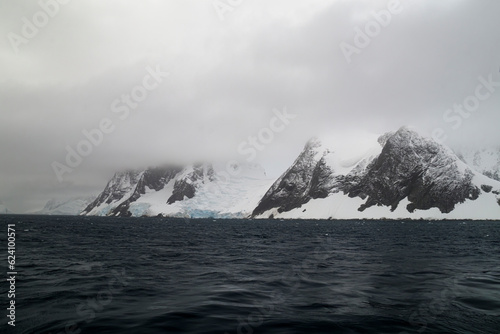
231, 66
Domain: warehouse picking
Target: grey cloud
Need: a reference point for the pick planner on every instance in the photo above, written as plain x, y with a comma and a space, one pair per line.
225, 79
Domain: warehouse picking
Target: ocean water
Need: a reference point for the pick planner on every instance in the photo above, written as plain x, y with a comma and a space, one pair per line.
152, 275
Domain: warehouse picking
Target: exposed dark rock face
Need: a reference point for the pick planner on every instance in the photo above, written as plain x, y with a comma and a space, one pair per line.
153, 178
156, 179
120, 185
409, 166
323, 181
382, 140
310, 177
294, 187
418, 168
492, 175
186, 186
486, 188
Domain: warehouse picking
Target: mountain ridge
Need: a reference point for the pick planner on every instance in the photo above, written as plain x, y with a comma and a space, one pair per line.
411, 170
66, 207
197, 190
399, 174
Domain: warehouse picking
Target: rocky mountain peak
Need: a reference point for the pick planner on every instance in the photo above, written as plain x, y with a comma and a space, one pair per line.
121, 184
293, 188
411, 166
191, 178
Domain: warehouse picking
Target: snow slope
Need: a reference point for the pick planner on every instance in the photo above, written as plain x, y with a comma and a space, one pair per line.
486, 161
68, 207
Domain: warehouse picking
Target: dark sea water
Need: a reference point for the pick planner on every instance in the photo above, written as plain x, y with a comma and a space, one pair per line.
151, 275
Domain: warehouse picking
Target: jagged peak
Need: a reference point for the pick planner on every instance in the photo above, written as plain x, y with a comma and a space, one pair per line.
126, 172
406, 134
125, 179
409, 134
409, 138
313, 142
385, 137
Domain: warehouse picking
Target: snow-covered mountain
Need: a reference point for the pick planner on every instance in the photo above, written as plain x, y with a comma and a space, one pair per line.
4, 210
486, 161
399, 175
318, 172
128, 186
200, 190
67, 207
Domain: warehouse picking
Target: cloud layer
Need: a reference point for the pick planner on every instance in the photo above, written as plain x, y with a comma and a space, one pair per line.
226, 79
